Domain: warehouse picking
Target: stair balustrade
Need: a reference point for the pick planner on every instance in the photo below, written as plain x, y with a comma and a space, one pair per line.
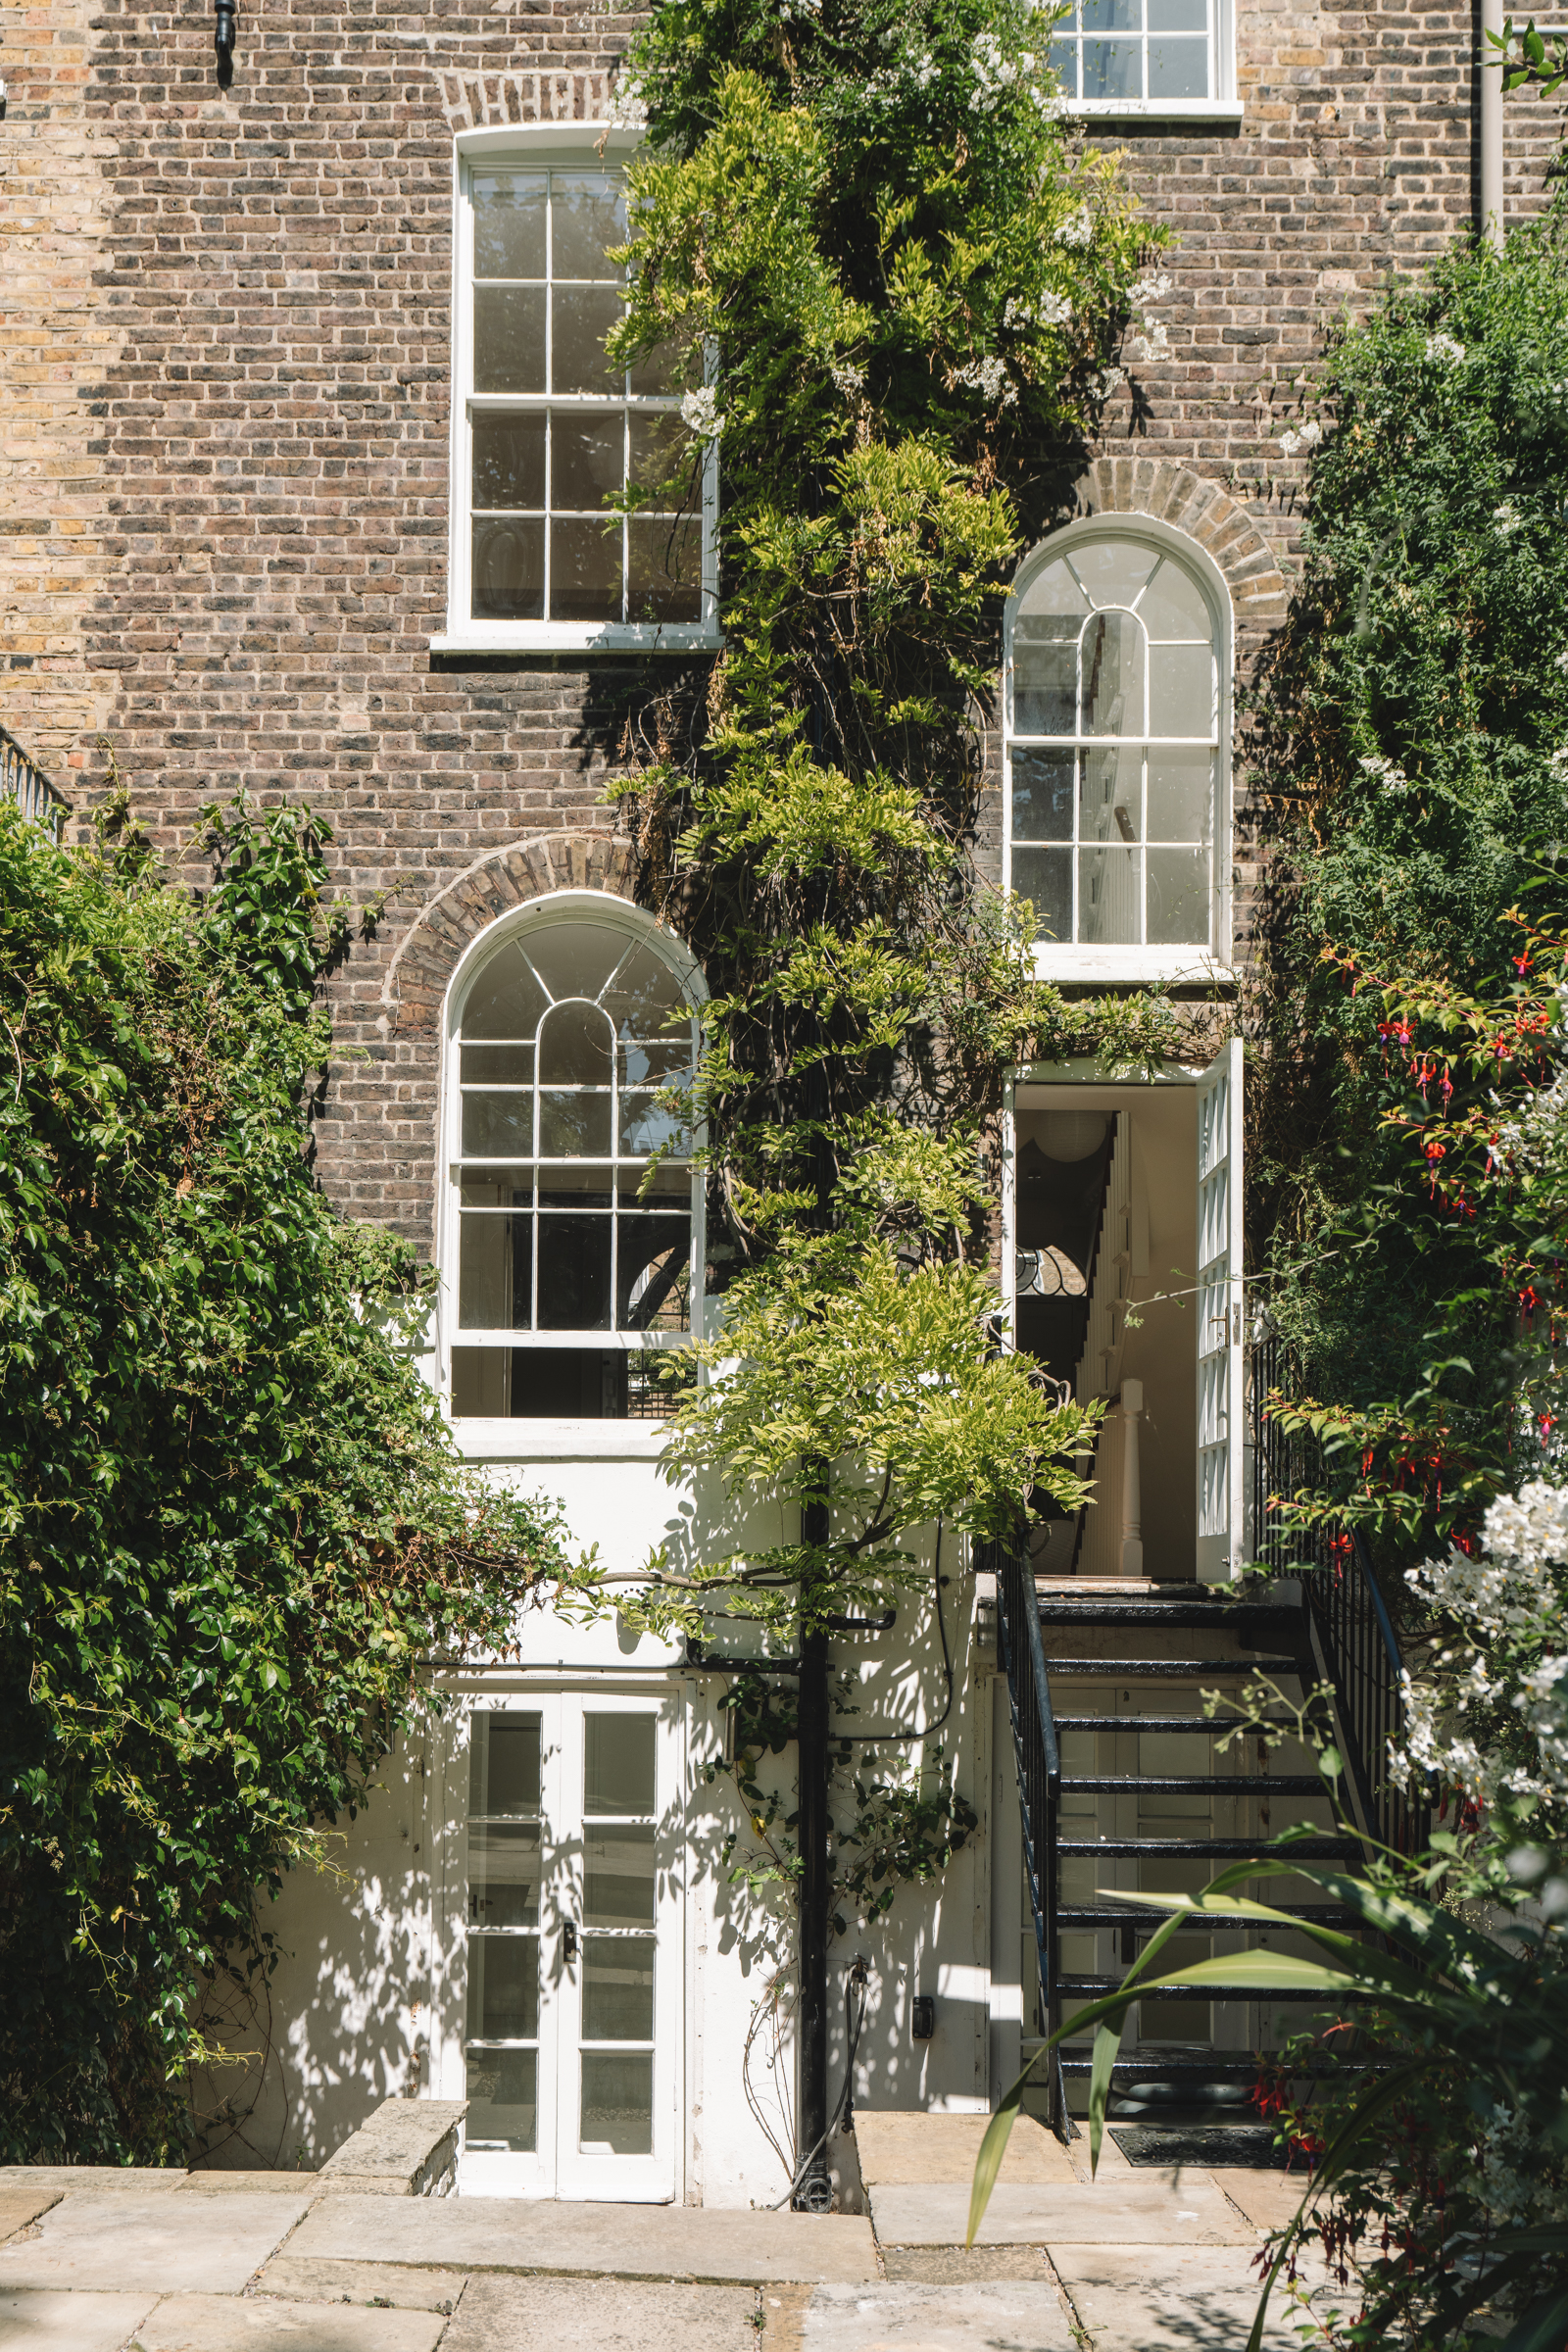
24, 781
1036, 1753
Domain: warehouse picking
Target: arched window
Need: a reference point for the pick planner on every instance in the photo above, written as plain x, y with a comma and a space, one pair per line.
1117, 731
567, 1236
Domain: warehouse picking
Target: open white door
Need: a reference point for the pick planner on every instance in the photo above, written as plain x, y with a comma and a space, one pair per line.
1221, 1454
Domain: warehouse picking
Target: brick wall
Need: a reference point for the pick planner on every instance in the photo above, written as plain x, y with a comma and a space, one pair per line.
225, 371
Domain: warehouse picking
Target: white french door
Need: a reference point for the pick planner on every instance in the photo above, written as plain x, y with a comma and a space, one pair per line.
573, 1940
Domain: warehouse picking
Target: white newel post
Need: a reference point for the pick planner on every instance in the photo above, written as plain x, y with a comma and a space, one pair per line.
1132, 1500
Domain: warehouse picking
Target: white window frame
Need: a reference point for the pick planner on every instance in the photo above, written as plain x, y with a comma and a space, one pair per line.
577, 146
1064, 960
1223, 105
634, 927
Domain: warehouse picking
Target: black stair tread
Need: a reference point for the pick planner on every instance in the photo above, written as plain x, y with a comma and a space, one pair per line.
1316, 1915
1275, 1618
1194, 1783
1154, 1723
1232, 1849
1131, 1670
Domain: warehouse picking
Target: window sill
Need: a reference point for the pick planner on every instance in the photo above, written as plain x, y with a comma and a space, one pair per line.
523, 1440
578, 637
1154, 109
1100, 966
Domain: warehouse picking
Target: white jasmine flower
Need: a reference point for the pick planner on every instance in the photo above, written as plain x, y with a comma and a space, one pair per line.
1078, 230
699, 414
628, 107
1508, 516
1301, 437
988, 377
1153, 343
1148, 290
1562, 659
924, 70
1052, 310
1443, 347
1558, 764
850, 379
1390, 777
994, 73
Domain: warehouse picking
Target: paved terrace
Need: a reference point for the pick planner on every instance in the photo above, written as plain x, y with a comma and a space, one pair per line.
372, 2255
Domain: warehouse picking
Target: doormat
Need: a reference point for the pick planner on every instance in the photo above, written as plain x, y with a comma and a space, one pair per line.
1251, 2145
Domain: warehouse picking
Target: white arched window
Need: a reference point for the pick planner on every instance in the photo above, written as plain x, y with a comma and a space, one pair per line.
1117, 737
567, 1238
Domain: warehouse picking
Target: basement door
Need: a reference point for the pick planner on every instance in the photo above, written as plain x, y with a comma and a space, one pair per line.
573, 1942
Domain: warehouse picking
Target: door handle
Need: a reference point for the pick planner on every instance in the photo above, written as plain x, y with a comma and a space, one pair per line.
568, 1941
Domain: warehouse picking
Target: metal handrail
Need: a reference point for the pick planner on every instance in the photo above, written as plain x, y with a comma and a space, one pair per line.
1023, 1654
24, 781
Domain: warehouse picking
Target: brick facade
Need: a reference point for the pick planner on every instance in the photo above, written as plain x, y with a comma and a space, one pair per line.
223, 454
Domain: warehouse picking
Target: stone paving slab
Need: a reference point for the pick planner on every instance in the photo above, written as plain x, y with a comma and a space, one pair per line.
60, 2178
627, 2241
62, 2323
361, 2283
933, 2149
246, 2324
165, 2245
1023, 2317
1171, 2299
19, 2206
214, 2183
601, 2315
1266, 2198
1132, 2210
963, 2266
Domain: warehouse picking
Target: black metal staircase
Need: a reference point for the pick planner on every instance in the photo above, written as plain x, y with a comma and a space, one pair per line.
1331, 1630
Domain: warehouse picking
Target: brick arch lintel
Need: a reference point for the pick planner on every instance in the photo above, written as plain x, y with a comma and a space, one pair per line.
1190, 502
430, 949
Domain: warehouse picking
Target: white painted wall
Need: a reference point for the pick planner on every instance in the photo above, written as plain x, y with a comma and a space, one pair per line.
366, 2000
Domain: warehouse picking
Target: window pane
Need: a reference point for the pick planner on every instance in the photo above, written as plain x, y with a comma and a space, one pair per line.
617, 2104
503, 1987
495, 1273
663, 451
509, 571
1181, 793
1108, 897
508, 224
497, 1188
617, 1989
653, 377
497, 1126
587, 458
1178, 68
580, 318
584, 571
1045, 878
1177, 16
481, 1383
1064, 65
643, 996
654, 1250
503, 2100
1044, 676
573, 1273
618, 1764
586, 1185
504, 1874
509, 461
1112, 796
1054, 591
1113, 676
509, 340
505, 999
502, 1762
575, 960
1181, 686
576, 1046
500, 1066
1113, 569
1042, 796
1173, 604
646, 1125
588, 213
1112, 70
1178, 898
666, 570
656, 1060
618, 1878
1112, 15
574, 1126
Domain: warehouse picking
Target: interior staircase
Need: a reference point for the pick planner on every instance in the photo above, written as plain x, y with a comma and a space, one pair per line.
1119, 1661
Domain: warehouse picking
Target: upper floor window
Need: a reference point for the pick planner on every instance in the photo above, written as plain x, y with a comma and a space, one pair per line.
1118, 734
1157, 57
570, 1201
545, 432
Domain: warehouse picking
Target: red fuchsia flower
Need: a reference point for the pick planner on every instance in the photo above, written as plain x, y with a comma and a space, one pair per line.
1529, 1300
1445, 1089
1521, 964
1437, 1151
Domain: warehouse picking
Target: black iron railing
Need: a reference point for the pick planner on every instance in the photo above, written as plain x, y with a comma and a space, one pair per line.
1352, 1633
24, 781
1022, 1657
